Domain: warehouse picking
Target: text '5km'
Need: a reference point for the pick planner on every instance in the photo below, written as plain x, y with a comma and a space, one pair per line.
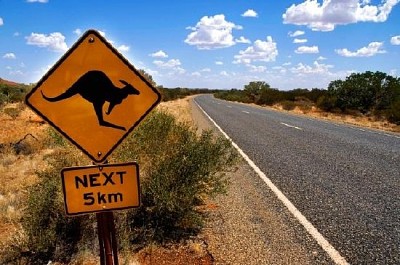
100, 188
96, 180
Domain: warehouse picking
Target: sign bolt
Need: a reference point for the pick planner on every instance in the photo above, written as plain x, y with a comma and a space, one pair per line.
91, 40
99, 154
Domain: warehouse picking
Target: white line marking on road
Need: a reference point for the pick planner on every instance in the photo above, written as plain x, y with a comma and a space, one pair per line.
245, 112
390, 135
291, 126
329, 249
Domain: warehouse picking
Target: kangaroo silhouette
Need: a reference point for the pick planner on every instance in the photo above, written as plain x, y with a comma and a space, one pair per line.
97, 88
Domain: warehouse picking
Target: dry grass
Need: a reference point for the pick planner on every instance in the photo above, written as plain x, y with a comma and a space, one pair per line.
179, 108
13, 129
17, 171
358, 120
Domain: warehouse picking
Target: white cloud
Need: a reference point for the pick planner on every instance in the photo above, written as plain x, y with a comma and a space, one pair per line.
168, 64
224, 73
205, 70
296, 40
329, 14
257, 69
150, 71
9, 56
178, 70
37, 1
78, 32
16, 34
170, 68
159, 54
321, 58
196, 74
16, 73
242, 40
212, 33
372, 49
307, 49
317, 68
124, 48
250, 13
280, 69
54, 41
219, 63
296, 33
395, 40
265, 51
1, 21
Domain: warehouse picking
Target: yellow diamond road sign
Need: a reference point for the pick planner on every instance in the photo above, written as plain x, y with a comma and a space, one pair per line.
93, 96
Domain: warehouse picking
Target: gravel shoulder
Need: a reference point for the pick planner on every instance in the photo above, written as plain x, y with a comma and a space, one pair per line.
250, 226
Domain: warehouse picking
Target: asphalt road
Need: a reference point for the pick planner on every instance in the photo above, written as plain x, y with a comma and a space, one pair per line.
344, 179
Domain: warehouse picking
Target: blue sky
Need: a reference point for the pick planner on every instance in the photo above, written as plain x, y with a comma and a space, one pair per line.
210, 43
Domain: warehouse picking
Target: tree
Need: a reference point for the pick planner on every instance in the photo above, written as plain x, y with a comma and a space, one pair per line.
270, 96
366, 92
254, 89
148, 77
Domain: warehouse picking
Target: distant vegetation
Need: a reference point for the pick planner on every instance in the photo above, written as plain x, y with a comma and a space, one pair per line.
12, 92
176, 93
371, 93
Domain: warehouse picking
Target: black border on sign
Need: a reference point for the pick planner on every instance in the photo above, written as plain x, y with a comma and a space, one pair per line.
136, 165
61, 60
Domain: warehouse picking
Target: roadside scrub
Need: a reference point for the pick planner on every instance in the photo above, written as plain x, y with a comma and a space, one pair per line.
179, 171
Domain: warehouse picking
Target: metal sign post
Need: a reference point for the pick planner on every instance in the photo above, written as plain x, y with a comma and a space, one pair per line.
107, 239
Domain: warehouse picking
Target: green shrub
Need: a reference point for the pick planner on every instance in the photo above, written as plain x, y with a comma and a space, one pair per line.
326, 103
393, 113
288, 105
178, 169
3, 99
10, 93
232, 95
49, 234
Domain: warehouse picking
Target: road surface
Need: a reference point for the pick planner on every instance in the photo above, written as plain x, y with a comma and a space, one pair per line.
343, 179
